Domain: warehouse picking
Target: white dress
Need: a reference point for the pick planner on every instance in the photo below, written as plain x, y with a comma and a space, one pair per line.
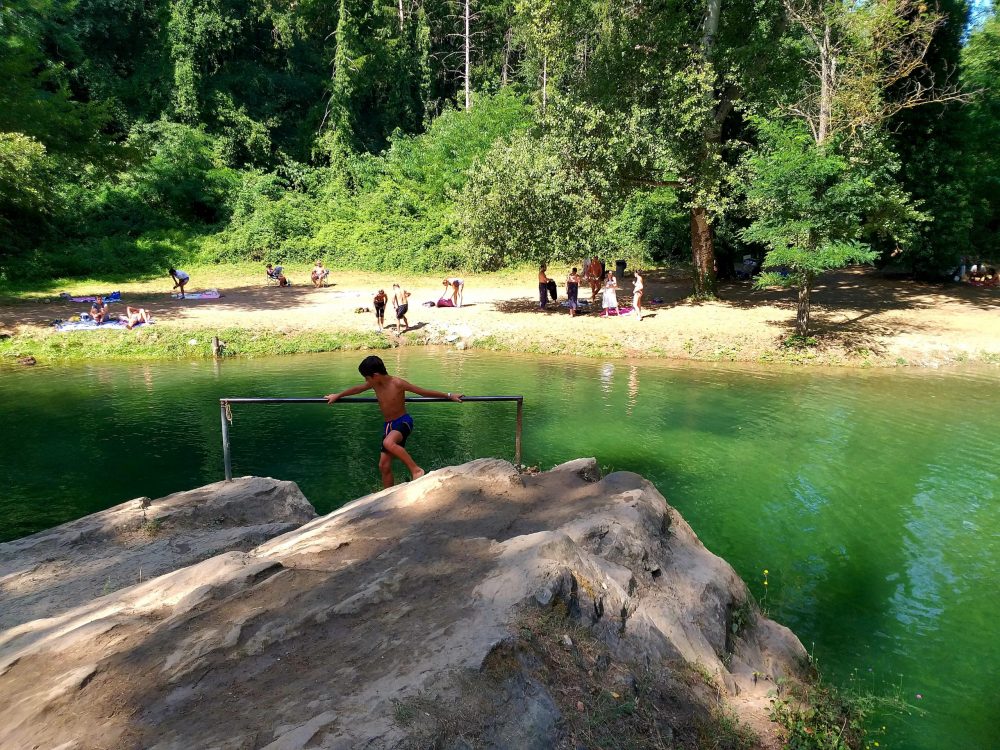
610, 298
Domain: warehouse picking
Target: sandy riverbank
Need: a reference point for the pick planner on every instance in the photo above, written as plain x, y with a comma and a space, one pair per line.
860, 319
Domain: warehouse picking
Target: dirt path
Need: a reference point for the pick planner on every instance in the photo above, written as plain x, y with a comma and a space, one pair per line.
858, 318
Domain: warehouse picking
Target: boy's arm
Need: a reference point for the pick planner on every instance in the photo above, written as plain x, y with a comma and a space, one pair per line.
352, 391
429, 393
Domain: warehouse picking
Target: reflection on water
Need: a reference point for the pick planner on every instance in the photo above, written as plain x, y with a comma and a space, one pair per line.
870, 497
633, 389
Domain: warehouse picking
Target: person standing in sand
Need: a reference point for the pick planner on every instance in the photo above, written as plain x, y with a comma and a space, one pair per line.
391, 394
637, 290
610, 295
380, 300
573, 291
543, 287
401, 304
595, 276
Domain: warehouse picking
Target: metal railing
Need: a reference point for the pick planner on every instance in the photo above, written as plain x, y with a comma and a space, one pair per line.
227, 415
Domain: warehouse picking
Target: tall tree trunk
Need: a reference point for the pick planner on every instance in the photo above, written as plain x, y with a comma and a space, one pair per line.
468, 59
702, 252
827, 72
545, 81
802, 316
702, 236
401, 16
507, 39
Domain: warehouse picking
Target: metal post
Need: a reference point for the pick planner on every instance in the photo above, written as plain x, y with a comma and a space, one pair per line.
517, 432
227, 459
225, 404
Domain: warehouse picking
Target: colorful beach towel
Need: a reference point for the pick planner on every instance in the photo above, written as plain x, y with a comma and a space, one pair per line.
113, 297
207, 294
89, 325
611, 314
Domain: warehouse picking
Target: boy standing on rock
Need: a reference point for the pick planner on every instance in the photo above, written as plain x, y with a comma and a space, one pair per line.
391, 394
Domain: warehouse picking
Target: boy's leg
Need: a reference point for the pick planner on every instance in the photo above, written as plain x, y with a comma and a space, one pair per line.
385, 469
391, 444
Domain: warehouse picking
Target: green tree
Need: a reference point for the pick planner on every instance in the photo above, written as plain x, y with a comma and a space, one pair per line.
816, 204
865, 63
931, 142
981, 79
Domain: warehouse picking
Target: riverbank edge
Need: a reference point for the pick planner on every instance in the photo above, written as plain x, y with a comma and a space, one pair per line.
40, 346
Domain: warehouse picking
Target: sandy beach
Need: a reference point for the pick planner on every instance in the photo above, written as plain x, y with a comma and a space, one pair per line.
858, 317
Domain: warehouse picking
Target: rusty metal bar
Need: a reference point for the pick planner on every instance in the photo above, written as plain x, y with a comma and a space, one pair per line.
224, 404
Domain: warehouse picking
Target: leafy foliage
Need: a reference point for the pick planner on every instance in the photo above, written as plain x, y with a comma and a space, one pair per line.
815, 205
135, 133
981, 76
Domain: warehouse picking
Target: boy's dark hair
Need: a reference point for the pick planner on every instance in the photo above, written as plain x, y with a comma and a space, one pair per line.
372, 366
171, 271
574, 269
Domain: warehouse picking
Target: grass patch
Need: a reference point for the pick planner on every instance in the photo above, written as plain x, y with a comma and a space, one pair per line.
147, 343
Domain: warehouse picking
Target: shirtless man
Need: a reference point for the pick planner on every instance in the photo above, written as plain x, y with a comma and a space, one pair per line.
391, 394
573, 291
596, 277
543, 287
401, 303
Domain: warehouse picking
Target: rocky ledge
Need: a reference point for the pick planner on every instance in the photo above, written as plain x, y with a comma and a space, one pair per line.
474, 607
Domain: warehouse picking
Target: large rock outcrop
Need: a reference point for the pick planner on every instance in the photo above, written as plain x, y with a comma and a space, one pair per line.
47, 573
474, 607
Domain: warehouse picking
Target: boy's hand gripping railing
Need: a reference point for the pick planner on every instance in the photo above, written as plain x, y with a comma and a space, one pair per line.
227, 415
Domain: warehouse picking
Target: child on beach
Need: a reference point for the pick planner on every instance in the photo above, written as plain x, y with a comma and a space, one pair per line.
98, 310
380, 301
391, 393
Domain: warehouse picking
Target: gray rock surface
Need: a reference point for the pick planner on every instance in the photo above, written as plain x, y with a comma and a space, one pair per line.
355, 629
47, 573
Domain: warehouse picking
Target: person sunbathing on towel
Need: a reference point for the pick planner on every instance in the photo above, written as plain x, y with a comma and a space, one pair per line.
136, 315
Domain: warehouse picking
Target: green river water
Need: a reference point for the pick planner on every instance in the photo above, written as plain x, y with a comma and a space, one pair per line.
870, 497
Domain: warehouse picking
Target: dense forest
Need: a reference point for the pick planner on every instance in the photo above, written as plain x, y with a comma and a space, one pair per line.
473, 134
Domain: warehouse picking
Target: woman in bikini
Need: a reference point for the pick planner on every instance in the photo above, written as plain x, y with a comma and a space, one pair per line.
637, 293
136, 315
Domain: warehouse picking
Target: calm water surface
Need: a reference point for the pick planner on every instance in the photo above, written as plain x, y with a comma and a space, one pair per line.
870, 497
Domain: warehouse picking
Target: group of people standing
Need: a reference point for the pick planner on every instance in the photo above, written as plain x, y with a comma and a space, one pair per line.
599, 279
452, 296
400, 304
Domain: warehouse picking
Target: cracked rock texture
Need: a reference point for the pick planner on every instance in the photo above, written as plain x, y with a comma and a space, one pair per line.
328, 635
